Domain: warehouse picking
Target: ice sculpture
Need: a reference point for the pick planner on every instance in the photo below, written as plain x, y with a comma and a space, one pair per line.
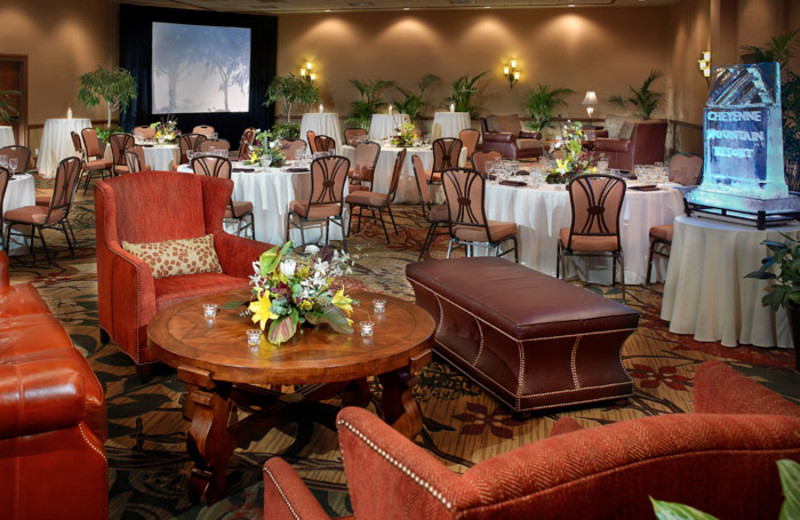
743, 168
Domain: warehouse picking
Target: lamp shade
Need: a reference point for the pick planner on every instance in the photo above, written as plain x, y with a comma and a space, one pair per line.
590, 98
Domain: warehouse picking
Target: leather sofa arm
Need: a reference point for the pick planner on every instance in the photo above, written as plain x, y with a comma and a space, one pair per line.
237, 254
530, 135
611, 145
718, 388
286, 497
4, 282
41, 392
496, 137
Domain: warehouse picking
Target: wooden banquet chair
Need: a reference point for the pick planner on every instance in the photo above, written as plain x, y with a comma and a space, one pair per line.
239, 210
53, 215
323, 143
293, 149
353, 136
446, 152
596, 202
205, 130
248, 136
119, 145
469, 137
325, 204
188, 142
374, 201
144, 132
465, 190
214, 145
436, 215
479, 160
21, 153
93, 159
310, 137
134, 157
363, 170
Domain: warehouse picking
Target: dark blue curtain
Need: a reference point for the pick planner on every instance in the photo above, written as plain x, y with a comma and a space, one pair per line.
136, 51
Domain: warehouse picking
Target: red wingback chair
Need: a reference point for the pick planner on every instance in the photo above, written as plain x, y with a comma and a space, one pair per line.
505, 134
640, 142
52, 415
154, 207
720, 459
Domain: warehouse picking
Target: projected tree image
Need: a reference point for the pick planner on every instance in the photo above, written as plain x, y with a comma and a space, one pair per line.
199, 68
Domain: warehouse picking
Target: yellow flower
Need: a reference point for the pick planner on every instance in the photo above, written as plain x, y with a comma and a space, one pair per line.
343, 302
306, 305
262, 310
253, 156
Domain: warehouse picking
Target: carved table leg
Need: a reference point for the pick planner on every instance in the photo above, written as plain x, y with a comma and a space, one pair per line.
400, 409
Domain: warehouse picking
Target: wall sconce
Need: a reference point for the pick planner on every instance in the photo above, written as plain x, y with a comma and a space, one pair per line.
589, 100
305, 72
511, 73
704, 64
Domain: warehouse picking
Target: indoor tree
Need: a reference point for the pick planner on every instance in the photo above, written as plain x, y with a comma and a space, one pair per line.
413, 102
541, 101
362, 109
114, 86
290, 90
8, 106
463, 91
643, 100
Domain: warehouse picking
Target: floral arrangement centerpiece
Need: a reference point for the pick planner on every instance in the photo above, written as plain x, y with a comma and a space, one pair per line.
288, 291
576, 161
407, 135
266, 150
166, 131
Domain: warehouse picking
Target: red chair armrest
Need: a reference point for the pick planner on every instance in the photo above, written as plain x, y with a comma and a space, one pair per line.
3, 269
498, 137
237, 254
285, 495
719, 388
611, 145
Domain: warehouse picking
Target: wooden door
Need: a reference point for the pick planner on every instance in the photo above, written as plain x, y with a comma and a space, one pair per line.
13, 76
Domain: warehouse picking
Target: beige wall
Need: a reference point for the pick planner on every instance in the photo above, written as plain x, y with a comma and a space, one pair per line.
590, 48
62, 40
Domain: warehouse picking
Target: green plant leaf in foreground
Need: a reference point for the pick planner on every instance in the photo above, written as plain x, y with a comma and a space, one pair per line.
675, 511
790, 480
334, 317
281, 330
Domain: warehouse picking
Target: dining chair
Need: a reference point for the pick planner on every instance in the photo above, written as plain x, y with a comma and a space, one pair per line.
469, 137
310, 137
239, 210
374, 201
205, 130
436, 215
134, 157
660, 244
5, 176
465, 190
214, 144
596, 202
293, 149
353, 136
188, 142
93, 158
22, 154
446, 152
119, 144
323, 143
479, 160
144, 132
686, 169
52, 216
325, 203
248, 136
363, 170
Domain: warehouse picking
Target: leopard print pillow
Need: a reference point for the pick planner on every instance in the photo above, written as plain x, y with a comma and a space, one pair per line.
176, 257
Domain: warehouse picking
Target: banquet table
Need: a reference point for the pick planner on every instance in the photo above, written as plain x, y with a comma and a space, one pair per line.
6, 136
449, 124
407, 191
21, 192
322, 124
385, 125
541, 212
160, 156
706, 293
57, 143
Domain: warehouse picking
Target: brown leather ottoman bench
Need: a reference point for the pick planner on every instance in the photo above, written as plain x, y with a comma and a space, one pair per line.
532, 341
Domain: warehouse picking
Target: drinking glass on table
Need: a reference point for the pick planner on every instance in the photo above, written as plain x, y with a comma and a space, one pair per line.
3, 161
488, 166
189, 155
12, 165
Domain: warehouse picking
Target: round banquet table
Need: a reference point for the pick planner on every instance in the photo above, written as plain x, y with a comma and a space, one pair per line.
57, 143
6, 136
541, 212
706, 293
385, 125
21, 192
322, 124
160, 156
449, 124
407, 191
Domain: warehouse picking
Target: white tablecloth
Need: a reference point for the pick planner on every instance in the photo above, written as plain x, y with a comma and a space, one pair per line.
20, 193
322, 124
57, 143
6, 136
706, 294
160, 156
407, 191
385, 125
540, 214
449, 124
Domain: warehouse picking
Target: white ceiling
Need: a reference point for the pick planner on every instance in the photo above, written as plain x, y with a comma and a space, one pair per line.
317, 6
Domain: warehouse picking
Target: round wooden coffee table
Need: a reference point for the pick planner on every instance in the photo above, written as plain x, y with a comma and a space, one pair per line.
222, 372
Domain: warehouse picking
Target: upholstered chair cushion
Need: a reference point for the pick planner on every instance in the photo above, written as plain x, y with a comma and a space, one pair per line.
367, 198
508, 124
34, 215
317, 210
178, 257
498, 231
240, 208
589, 244
528, 144
663, 231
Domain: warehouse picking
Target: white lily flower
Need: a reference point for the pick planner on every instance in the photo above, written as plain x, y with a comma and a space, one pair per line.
288, 267
311, 249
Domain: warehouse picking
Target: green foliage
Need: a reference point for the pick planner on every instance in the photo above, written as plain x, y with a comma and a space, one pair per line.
786, 285
413, 102
291, 89
541, 101
114, 86
643, 100
8, 108
103, 134
675, 511
361, 110
286, 130
463, 92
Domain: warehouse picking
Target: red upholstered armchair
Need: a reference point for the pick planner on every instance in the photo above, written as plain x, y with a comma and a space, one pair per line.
640, 142
505, 134
155, 207
720, 459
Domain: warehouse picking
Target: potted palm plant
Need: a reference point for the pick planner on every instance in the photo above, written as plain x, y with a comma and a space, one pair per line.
114, 86
361, 110
413, 102
540, 102
8, 108
291, 90
785, 289
643, 100
463, 92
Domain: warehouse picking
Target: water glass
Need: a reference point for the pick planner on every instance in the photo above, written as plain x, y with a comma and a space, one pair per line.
366, 328
602, 166
3, 161
189, 155
266, 161
210, 310
254, 338
12, 164
379, 306
488, 167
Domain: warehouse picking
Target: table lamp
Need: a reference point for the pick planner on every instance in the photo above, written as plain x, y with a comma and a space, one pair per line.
589, 100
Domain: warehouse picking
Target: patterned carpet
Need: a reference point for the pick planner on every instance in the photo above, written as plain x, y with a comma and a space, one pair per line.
463, 425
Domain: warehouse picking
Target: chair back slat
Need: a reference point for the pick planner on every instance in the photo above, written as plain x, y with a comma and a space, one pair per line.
469, 138
596, 202
446, 152
21, 153
212, 166
134, 160
328, 176
91, 143
353, 136
685, 169
422, 184
119, 144
66, 184
293, 149
396, 171
188, 142
464, 189
367, 154
479, 160
323, 143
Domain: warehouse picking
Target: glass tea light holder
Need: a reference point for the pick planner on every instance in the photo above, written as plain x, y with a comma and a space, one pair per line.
366, 327
254, 338
379, 306
210, 310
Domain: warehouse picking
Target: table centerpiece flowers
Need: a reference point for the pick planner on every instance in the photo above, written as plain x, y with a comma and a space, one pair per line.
166, 131
576, 161
305, 290
407, 136
266, 150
